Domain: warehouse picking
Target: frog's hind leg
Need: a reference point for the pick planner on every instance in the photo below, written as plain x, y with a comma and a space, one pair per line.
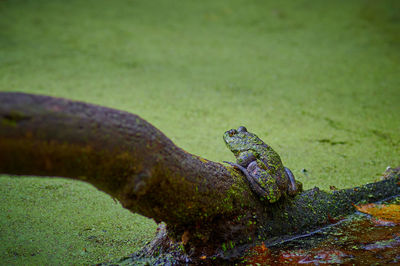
268, 184
253, 184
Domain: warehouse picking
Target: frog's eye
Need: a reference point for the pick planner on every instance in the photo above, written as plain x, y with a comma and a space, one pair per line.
242, 129
232, 132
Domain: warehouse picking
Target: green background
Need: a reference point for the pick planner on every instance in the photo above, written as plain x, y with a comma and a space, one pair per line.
317, 80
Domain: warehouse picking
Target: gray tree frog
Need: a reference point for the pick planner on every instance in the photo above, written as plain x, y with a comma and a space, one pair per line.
261, 165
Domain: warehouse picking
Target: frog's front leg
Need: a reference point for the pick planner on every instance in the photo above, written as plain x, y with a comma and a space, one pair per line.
253, 184
245, 158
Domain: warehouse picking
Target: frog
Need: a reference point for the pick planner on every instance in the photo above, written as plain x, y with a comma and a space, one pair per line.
261, 165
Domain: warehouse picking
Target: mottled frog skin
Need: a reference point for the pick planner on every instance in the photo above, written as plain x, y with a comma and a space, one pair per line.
261, 165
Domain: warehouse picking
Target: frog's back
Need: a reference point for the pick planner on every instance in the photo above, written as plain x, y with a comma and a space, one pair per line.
269, 156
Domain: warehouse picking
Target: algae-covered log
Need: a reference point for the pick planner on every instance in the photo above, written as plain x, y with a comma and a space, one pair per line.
208, 208
315, 206
126, 157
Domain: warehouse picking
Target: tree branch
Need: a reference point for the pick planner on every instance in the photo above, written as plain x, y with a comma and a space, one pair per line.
204, 204
117, 152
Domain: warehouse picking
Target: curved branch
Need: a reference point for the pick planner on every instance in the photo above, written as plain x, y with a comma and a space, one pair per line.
115, 151
203, 203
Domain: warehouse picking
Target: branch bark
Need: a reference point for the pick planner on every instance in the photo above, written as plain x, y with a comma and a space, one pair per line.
204, 204
124, 156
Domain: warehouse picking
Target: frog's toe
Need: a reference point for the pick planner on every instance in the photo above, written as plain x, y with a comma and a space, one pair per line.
233, 164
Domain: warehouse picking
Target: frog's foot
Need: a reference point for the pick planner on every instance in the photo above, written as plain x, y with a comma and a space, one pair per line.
254, 184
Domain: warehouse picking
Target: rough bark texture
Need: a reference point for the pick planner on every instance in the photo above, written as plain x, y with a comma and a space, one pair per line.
126, 157
208, 208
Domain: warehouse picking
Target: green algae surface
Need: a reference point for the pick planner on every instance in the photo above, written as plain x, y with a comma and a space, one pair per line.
318, 81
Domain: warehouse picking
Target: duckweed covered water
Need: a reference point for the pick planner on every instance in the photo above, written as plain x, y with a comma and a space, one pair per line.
316, 80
